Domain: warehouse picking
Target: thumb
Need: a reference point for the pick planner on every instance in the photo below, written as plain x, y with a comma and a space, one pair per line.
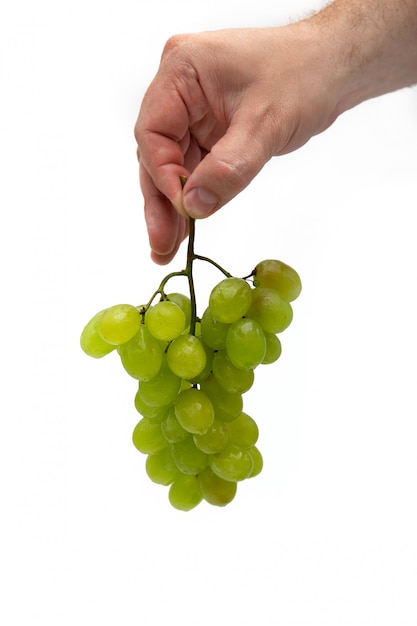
226, 170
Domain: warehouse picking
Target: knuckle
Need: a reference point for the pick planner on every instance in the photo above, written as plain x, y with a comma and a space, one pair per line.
235, 172
173, 43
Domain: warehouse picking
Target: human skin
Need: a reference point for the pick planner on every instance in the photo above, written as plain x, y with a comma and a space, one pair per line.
224, 102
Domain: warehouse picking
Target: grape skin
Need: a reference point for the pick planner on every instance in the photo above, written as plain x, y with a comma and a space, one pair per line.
280, 277
91, 341
161, 468
231, 378
213, 331
243, 431
188, 458
142, 356
214, 439
185, 493
147, 436
273, 313
186, 356
245, 344
165, 321
119, 323
232, 463
229, 300
216, 490
162, 389
194, 411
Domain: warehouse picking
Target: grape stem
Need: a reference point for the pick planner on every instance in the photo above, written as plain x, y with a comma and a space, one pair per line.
161, 290
188, 272
208, 260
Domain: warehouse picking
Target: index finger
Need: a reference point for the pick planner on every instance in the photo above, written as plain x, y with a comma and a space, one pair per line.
161, 130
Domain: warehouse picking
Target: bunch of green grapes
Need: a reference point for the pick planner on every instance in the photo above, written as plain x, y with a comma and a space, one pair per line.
191, 375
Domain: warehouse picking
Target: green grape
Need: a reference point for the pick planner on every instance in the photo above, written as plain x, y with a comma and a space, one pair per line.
91, 341
186, 356
160, 467
208, 366
273, 348
194, 411
213, 332
165, 320
227, 406
162, 389
184, 303
216, 490
245, 344
243, 431
232, 463
119, 323
231, 378
278, 276
156, 413
273, 313
230, 299
187, 457
184, 493
257, 461
214, 439
147, 436
141, 357
171, 428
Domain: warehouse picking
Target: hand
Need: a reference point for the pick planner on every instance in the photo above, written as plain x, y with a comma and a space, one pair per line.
221, 105
224, 102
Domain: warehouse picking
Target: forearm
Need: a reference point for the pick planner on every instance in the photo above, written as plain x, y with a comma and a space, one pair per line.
373, 46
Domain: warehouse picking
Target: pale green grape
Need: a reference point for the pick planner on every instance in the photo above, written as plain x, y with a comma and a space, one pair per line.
245, 344
243, 431
119, 323
161, 468
257, 461
273, 313
280, 277
216, 490
194, 410
141, 357
156, 413
230, 299
165, 320
213, 332
273, 348
162, 389
231, 378
91, 341
171, 428
184, 493
184, 303
187, 457
232, 463
214, 439
186, 356
227, 406
147, 436
208, 366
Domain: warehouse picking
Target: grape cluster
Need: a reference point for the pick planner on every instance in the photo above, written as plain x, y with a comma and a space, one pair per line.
192, 373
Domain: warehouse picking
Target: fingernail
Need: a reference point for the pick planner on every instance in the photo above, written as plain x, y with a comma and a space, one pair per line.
199, 202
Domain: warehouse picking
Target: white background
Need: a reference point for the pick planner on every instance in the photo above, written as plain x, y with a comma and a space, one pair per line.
327, 533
